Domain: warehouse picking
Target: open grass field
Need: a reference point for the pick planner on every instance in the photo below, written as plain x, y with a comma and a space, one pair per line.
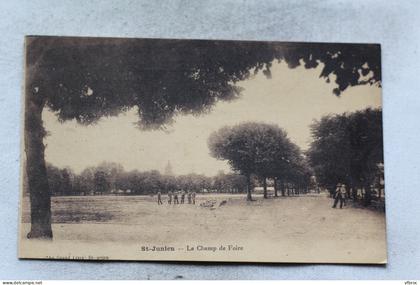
292, 229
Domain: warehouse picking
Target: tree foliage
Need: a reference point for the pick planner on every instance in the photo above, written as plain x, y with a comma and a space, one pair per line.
257, 148
231, 182
347, 148
60, 179
111, 178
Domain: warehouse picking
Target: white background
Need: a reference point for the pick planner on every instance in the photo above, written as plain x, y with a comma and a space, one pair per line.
394, 24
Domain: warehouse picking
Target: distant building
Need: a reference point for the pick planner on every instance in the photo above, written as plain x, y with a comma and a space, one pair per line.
168, 169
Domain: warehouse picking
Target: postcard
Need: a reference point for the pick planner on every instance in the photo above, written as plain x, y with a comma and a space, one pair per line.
202, 150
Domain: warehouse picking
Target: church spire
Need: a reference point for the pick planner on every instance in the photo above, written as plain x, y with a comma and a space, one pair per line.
168, 169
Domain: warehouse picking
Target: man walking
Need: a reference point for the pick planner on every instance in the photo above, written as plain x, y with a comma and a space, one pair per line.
182, 196
176, 201
170, 197
189, 197
339, 195
159, 197
193, 197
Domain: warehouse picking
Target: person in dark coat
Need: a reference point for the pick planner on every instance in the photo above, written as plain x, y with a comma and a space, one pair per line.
170, 197
182, 196
339, 195
176, 201
159, 198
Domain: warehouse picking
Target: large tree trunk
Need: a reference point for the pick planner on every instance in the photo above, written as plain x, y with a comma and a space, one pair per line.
283, 189
39, 191
248, 188
265, 187
275, 188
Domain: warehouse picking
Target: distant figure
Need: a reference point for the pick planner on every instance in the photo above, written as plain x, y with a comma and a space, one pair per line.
339, 195
359, 193
176, 201
189, 197
182, 196
343, 194
159, 196
170, 197
193, 197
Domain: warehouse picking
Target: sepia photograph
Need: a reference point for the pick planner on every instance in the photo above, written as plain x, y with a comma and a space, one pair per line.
202, 150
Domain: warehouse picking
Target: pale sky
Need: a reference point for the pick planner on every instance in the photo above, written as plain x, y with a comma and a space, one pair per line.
292, 99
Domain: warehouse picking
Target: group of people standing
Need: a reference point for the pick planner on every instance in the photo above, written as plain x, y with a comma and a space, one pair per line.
177, 197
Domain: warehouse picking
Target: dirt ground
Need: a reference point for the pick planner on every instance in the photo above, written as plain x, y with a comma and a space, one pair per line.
288, 229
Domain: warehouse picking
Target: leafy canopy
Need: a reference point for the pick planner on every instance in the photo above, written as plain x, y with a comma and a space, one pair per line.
347, 147
87, 78
251, 148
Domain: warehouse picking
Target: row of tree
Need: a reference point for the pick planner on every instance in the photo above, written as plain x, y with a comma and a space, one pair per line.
348, 148
111, 177
262, 150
